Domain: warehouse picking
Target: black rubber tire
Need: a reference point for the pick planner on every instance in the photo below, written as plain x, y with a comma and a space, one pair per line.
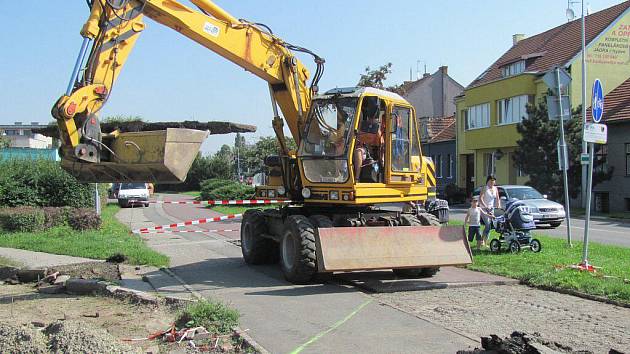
427, 219
255, 248
321, 221
495, 245
298, 259
555, 224
535, 245
514, 247
410, 220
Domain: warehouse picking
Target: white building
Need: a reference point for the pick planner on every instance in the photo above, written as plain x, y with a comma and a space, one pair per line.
22, 136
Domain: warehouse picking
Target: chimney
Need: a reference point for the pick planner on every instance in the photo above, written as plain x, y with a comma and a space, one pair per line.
517, 38
425, 75
34, 123
18, 123
444, 69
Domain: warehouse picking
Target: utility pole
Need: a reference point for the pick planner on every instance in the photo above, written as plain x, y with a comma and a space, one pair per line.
564, 163
584, 189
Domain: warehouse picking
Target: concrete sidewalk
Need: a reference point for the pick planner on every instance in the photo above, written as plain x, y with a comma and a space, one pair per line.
30, 259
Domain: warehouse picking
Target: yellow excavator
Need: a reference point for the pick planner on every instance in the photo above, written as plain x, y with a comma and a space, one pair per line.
362, 195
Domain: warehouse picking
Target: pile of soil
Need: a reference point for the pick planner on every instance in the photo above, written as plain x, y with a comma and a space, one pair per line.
59, 337
521, 343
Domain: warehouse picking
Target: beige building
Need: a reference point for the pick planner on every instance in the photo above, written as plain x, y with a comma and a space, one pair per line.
22, 136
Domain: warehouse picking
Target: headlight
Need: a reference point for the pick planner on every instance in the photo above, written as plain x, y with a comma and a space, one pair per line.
271, 193
281, 190
334, 195
263, 193
306, 193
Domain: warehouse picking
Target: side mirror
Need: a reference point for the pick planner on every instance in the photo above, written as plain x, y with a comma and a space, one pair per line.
545, 196
503, 198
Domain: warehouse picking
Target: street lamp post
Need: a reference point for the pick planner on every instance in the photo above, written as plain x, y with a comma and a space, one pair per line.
584, 192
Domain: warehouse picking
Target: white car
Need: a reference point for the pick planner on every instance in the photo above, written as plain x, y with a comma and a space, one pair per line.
131, 194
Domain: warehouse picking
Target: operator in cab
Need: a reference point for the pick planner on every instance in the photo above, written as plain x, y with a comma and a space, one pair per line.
369, 137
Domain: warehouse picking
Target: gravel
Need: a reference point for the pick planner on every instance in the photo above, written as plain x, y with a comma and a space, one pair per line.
478, 312
21, 339
89, 270
75, 337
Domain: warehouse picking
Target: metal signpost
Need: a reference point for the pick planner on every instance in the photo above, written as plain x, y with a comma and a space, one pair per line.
558, 80
97, 200
594, 133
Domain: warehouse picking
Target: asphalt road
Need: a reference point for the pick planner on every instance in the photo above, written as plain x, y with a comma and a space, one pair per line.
606, 231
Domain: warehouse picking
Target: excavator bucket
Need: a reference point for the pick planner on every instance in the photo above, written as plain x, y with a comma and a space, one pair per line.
365, 248
163, 156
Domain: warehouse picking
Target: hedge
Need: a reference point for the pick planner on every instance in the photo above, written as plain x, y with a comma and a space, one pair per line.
225, 189
31, 219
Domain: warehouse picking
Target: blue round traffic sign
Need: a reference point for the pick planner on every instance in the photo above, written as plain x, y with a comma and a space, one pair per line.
597, 105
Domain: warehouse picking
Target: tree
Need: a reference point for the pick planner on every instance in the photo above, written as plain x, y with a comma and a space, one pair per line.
376, 78
4, 142
537, 153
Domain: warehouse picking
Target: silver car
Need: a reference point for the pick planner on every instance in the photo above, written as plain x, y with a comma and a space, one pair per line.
545, 212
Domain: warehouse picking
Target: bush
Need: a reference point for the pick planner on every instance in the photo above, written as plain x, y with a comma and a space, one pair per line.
84, 219
225, 189
56, 216
23, 219
41, 183
454, 194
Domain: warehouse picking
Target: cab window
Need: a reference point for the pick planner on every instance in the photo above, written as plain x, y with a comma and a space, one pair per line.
401, 143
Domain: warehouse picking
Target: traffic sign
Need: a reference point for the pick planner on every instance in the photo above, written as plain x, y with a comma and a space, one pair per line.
584, 159
597, 105
595, 133
551, 79
553, 110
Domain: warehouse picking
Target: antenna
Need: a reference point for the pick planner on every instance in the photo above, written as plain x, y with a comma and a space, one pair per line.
418, 68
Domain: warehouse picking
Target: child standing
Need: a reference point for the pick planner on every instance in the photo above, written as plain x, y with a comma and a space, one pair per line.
473, 220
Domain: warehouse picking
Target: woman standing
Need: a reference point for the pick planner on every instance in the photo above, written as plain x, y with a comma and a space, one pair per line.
489, 199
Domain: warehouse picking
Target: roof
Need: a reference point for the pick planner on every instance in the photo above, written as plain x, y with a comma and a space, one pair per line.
358, 91
616, 105
555, 47
441, 129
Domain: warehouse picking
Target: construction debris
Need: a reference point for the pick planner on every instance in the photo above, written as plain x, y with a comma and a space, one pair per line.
139, 126
521, 343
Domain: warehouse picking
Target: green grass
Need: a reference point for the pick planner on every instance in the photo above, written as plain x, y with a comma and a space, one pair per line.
5, 262
549, 268
238, 209
112, 238
215, 316
191, 193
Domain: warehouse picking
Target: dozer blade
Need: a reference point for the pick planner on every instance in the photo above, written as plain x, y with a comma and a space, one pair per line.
163, 156
365, 248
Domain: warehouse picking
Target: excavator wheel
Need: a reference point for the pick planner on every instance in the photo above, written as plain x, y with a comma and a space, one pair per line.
421, 220
256, 249
297, 250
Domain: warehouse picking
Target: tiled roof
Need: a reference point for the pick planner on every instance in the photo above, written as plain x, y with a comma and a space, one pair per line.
616, 104
441, 129
554, 47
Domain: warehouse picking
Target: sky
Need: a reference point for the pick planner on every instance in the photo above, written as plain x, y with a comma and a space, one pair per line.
171, 78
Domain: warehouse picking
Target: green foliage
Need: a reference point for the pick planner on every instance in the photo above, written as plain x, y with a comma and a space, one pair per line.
4, 142
375, 78
225, 189
41, 183
22, 219
84, 219
122, 119
112, 238
56, 216
537, 152
216, 317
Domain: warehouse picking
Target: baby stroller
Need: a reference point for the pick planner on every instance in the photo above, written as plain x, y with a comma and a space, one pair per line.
515, 226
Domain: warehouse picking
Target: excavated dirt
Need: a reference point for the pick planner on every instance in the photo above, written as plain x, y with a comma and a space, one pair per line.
15, 338
74, 337
521, 343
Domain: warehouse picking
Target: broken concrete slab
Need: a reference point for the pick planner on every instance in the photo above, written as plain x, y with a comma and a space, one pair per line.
52, 289
84, 286
8, 272
61, 280
447, 277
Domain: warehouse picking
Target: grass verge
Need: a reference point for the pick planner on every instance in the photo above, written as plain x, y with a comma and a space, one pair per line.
215, 316
549, 268
112, 238
237, 209
5, 262
191, 193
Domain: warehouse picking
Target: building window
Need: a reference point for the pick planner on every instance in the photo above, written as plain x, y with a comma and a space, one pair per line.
464, 117
438, 166
11, 132
514, 68
478, 116
627, 204
513, 109
449, 166
627, 159
601, 158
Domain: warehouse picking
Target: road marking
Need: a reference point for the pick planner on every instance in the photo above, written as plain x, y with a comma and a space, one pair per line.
332, 328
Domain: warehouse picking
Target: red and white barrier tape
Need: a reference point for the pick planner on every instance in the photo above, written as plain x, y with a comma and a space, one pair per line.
186, 231
188, 223
222, 202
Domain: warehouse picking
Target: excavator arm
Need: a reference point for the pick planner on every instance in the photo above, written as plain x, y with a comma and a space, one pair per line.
109, 35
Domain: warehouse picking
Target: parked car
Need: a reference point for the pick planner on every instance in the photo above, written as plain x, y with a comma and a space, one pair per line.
112, 192
545, 212
133, 193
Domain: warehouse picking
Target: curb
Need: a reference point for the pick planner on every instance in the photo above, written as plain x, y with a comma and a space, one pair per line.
578, 294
